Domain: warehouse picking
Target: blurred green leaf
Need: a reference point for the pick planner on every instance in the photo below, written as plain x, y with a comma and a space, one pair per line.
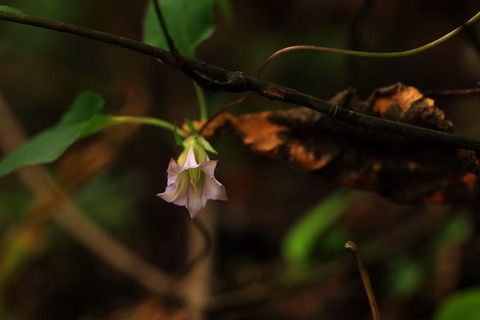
226, 8
109, 200
456, 229
86, 116
189, 23
464, 306
10, 9
303, 236
405, 276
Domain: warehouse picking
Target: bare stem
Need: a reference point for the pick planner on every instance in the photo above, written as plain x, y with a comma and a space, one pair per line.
352, 247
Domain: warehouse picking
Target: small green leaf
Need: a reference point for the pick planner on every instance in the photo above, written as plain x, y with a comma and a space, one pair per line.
178, 140
190, 125
10, 9
465, 306
85, 117
207, 146
189, 23
302, 237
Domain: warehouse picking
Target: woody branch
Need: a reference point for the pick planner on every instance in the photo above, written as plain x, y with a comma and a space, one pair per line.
215, 78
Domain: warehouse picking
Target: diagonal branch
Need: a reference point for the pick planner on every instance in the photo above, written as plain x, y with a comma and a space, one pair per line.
216, 78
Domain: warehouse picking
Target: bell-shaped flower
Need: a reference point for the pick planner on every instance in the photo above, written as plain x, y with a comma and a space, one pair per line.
191, 180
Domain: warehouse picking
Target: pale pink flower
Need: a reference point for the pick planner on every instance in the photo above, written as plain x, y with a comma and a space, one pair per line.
191, 181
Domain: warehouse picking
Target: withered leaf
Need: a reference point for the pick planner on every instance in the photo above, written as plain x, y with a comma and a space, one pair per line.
402, 169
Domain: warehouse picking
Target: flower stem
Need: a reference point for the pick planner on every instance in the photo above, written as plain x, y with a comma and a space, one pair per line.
202, 104
149, 120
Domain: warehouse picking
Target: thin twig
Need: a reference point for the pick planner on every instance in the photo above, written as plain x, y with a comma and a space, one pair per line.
369, 54
163, 26
352, 247
220, 111
453, 92
216, 78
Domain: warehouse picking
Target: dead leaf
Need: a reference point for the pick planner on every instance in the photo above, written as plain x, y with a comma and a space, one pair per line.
401, 168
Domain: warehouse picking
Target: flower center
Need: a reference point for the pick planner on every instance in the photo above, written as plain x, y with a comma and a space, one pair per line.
194, 174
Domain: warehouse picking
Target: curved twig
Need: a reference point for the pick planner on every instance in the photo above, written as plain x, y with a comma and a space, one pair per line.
368, 54
352, 247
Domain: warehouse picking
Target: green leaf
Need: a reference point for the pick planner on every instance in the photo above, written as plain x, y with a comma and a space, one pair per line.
404, 276
226, 8
190, 125
302, 237
10, 9
456, 229
465, 306
178, 140
207, 146
189, 23
85, 117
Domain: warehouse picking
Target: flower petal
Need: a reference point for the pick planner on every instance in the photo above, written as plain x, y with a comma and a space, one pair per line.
213, 190
192, 184
191, 162
177, 190
208, 167
195, 203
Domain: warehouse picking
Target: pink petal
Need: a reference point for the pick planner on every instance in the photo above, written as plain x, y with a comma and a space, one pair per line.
208, 167
180, 190
191, 162
195, 202
177, 189
174, 168
214, 190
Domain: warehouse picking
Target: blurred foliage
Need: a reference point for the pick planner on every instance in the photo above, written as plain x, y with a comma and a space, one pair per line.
455, 230
406, 276
464, 305
307, 234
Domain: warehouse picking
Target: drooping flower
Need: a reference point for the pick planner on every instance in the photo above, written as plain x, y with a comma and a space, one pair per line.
191, 181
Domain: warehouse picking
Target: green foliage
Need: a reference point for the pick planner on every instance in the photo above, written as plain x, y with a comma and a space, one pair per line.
109, 200
405, 276
302, 238
456, 230
226, 8
85, 117
10, 9
465, 306
189, 23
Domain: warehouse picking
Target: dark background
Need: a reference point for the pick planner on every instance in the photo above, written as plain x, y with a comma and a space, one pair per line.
42, 71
